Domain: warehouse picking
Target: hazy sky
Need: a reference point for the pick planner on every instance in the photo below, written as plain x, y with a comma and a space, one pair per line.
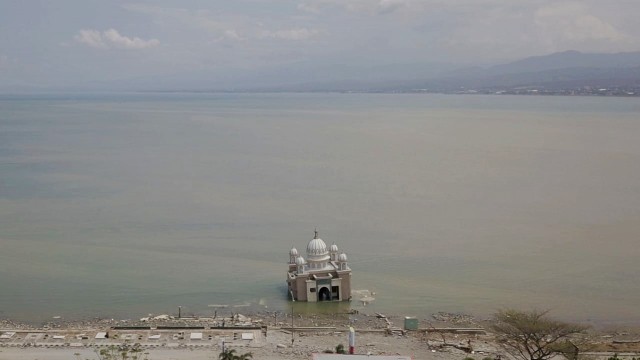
72, 41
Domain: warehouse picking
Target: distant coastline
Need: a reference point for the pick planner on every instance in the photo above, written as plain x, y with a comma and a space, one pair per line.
568, 73
525, 91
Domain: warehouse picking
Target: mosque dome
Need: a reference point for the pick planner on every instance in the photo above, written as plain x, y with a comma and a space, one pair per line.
300, 261
333, 248
317, 250
316, 247
293, 252
342, 257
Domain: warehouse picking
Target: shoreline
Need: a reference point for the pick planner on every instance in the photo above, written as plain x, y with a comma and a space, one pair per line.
272, 318
361, 320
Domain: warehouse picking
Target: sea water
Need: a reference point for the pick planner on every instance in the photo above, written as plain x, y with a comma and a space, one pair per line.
120, 205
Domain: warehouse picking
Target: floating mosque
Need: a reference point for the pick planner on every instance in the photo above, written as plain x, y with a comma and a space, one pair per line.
323, 276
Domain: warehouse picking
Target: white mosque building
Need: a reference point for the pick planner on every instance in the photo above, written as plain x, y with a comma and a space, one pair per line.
323, 276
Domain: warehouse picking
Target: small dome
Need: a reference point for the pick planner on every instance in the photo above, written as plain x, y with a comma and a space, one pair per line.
342, 257
293, 252
300, 260
334, 248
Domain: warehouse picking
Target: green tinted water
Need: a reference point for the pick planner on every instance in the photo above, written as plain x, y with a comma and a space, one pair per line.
124, 205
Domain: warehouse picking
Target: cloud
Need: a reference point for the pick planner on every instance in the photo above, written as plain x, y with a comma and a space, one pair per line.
390, 30
232, 34
356, 6
90, 38
388, 6
309, 8
124, 42
290, 34
504, 31
112, 39
222, 25
221, 28
572, 22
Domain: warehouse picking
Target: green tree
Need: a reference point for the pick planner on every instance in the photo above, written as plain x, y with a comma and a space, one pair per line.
230, 354
245, 356
340, 349
534, 336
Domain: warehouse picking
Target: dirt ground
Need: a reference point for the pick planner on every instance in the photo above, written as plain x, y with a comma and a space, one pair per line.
277, 346
376, 335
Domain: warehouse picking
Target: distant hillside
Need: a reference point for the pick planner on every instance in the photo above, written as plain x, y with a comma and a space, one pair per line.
569, 69
552, 79
568, 60
563, 70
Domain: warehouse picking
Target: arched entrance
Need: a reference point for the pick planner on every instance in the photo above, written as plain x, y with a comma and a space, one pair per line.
324, 294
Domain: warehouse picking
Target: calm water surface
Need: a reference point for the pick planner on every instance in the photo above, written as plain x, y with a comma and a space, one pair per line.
123, 205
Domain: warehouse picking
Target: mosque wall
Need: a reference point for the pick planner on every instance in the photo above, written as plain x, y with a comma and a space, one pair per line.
345, 289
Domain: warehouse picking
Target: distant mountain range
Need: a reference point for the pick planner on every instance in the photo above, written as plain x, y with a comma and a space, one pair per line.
570, 69
566, 60
569, 72
554, 72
